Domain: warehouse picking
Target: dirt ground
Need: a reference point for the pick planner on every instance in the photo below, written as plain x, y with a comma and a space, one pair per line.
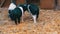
47, 23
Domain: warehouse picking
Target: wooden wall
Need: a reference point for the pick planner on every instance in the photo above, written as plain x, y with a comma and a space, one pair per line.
58, 5
48, 4
7, 2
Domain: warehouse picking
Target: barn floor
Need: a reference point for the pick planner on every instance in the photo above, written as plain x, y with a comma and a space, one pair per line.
47, 23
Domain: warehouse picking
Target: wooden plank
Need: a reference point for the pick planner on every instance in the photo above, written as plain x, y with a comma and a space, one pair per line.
58, 4
47, 4
20, 1
7, 2
2, 3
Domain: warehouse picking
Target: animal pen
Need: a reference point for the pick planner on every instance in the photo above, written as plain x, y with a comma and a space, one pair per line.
48, 21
